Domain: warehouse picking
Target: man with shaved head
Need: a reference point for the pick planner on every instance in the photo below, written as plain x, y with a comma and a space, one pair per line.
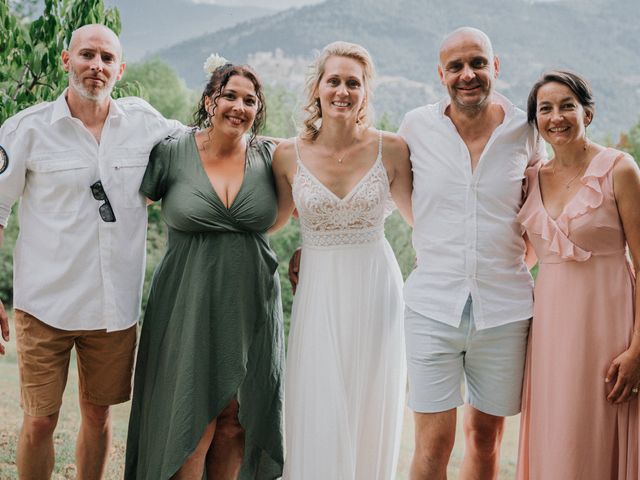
76, 165
469, 301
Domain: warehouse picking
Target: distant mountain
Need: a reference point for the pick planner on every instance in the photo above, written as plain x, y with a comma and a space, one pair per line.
149, 25
274, 4
597, 38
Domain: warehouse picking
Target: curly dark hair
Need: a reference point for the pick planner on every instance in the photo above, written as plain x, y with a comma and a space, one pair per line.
214, 87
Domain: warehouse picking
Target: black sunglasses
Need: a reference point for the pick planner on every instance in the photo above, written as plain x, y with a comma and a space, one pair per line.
106, 212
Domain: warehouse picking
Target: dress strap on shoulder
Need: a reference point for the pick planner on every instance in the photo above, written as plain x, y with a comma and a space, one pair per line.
379, 144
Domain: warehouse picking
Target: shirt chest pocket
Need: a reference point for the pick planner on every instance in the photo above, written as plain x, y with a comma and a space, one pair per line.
129, 169
58, 185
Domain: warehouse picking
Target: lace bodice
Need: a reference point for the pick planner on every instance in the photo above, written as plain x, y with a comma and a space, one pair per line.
357, 218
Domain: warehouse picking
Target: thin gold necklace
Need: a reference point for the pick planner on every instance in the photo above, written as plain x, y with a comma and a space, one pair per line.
585, 148
344, 154
567, 185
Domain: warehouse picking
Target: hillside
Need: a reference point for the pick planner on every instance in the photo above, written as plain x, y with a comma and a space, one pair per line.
148, 25
594, 37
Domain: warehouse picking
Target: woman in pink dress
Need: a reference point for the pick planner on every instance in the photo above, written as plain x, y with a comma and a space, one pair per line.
580, 399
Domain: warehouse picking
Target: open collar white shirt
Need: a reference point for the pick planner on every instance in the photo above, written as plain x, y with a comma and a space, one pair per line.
466, 236
72, 270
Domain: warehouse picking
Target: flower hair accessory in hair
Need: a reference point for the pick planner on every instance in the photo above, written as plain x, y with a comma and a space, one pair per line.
214, 62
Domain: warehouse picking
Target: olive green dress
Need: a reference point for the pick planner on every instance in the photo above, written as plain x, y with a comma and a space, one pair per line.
212, 330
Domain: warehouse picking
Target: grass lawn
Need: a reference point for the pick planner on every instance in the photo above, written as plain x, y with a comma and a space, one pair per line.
11, 417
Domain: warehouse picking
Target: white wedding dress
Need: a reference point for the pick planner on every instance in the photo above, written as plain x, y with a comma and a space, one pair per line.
345, 371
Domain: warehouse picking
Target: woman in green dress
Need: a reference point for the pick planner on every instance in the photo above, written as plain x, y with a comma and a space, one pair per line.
208, 383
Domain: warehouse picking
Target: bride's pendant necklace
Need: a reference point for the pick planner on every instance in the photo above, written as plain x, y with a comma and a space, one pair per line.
345, 151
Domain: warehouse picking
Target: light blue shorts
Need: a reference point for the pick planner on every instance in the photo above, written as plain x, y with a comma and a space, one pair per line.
492, 361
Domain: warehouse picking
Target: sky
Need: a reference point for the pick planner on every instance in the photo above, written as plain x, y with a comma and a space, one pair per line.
276, 4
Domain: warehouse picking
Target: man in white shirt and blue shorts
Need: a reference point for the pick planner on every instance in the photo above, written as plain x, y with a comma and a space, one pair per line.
76, 164
469, 300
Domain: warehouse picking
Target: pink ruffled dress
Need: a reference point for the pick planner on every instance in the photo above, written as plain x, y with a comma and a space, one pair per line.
583, 319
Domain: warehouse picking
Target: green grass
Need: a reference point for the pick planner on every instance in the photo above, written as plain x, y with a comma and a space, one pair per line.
11, 417
66, 431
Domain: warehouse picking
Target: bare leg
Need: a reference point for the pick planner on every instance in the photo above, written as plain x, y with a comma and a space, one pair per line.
94, 440
483, 435
35, 447
193, 467
225, 455
435, 434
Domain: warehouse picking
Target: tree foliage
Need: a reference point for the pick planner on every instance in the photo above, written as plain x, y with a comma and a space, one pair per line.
31, 70
284, 242
163, 88
6, 263
281, 105
630, 142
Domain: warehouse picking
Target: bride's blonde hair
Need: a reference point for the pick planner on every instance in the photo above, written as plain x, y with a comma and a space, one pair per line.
313, 120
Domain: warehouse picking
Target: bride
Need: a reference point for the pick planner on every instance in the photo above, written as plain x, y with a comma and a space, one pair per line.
345, 371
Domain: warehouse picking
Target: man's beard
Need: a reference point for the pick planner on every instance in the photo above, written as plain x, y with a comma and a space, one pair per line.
473, 109
97, 95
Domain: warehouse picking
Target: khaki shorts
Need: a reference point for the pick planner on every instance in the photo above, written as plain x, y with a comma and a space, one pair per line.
105, 364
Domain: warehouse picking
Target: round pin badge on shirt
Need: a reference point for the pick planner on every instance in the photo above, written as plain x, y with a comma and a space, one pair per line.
4, 160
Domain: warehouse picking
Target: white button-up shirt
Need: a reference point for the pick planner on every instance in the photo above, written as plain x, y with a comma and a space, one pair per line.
72, 270
466, 236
